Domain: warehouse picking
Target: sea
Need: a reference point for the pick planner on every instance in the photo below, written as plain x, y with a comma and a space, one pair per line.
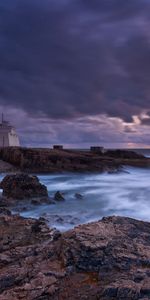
124, 193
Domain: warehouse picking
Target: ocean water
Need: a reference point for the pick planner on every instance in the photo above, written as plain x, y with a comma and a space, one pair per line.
125, 193
145, 152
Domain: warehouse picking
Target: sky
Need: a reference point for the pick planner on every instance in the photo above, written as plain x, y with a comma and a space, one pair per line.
76, 72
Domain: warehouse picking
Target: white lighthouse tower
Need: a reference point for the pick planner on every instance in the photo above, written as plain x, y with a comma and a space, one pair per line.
8, 135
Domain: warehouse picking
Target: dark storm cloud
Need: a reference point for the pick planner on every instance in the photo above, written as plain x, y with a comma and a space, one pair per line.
145, 121
68, 58
128, 129
115, 9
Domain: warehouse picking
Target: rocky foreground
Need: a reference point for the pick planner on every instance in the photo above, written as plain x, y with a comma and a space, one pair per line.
34, 160
109, 259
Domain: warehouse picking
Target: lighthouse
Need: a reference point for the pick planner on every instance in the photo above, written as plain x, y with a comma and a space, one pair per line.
8, 135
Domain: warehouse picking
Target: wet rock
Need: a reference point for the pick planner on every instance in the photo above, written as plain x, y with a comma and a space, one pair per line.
35, 202
63, 220
59, 196
4, 211
39, 201
22, 186
78, 196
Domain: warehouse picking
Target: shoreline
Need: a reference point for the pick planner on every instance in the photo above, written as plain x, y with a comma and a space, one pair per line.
86, 197
47, 161
106, 259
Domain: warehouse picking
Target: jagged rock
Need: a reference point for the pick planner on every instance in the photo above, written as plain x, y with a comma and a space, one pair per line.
78, 196
39, 201
22, 186
59, 196
27, 255
118, 250
106, 260
4, 211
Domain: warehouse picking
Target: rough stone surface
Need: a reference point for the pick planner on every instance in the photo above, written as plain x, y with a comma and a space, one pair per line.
108, 260
47, 160
22, 186
29, 266
126, 154
59, 196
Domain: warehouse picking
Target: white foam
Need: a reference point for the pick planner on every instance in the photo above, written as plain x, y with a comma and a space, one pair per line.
104, 194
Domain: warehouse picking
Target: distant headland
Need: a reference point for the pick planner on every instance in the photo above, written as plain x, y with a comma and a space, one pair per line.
46, 160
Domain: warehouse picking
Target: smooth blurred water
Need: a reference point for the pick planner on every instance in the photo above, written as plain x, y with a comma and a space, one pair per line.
125, 194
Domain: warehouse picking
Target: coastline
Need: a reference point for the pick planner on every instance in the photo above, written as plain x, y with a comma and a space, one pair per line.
36, 160
106, 259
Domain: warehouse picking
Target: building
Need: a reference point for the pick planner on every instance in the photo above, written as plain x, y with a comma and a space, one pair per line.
97, 149
58, 147
8, 135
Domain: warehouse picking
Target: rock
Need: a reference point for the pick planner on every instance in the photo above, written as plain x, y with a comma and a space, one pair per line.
27, 256
59, 196
34, 160
35, 202
4, 211
116, 248
43, 200
22, 186
107, 260
126, 154
78, 196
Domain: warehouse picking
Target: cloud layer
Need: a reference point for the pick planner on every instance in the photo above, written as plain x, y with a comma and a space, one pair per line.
71, 59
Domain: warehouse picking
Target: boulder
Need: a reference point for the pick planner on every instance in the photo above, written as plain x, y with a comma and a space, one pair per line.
5, 211
106, 260
78, 196
22, 186
59, 196
117, 249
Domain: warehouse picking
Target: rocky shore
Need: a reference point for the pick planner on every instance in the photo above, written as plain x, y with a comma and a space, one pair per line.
108, 259
20, 191
34, 160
